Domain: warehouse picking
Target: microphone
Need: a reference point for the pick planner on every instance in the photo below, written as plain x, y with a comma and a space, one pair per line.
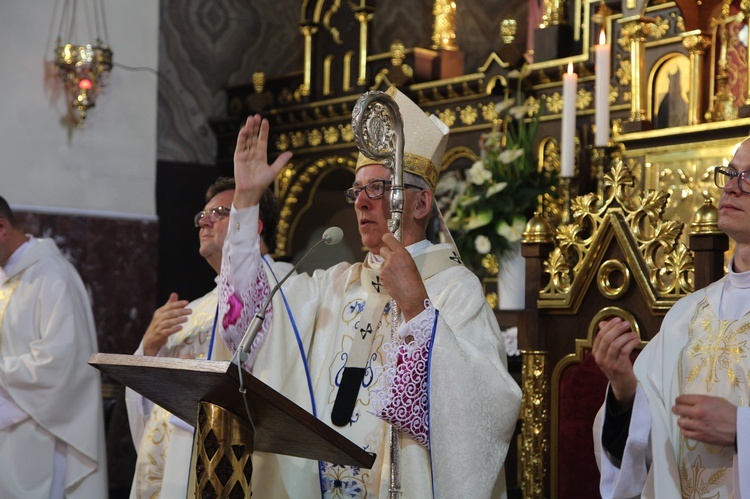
331, 236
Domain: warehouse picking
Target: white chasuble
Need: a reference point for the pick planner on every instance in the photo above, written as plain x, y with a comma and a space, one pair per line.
47, 335
715, 361
695, 352
473, 403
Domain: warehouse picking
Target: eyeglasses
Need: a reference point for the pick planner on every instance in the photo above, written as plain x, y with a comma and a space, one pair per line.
214, 215
374, 189
724, 174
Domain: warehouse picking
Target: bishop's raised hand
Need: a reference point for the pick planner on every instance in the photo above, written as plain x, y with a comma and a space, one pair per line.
252, 173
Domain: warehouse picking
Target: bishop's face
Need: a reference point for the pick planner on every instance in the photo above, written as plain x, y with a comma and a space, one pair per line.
372, 214
734, 206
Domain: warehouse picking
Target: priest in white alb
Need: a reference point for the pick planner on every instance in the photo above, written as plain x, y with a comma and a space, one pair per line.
51, 420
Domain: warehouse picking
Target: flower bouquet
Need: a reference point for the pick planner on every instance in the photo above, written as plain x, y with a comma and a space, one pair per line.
487, 206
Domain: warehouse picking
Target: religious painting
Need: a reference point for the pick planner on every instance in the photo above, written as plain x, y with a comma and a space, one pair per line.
671, 83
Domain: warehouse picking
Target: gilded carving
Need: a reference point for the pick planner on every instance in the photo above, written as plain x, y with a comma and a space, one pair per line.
614, 92
314, 137
696, 43
508, 29
667, 263
347, 134
680, 24
623, 72
605, 282
723, 108
659, 27
298, 139
284, 180
283, 142
617, 124
334, 32
444, 33
549, 161
534, 416
491, 264
468, 115
331, 135
554, 103
533, 104
223, 444
638, 30
448, 117
488, 112
583, 98
553, 13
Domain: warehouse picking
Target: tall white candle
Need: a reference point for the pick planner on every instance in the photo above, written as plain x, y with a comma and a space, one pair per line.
602, 60
567, 139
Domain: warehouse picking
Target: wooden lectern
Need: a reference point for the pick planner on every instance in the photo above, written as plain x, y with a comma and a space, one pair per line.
206, 394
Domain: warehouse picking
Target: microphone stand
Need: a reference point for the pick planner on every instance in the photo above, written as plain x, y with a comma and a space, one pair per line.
330, 237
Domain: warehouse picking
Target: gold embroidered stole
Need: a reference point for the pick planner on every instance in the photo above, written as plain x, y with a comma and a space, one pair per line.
715, 361
428, 264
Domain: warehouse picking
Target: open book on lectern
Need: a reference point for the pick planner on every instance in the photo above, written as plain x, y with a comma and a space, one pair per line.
281, 426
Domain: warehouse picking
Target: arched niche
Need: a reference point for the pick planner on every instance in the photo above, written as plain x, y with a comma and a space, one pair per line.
312, 200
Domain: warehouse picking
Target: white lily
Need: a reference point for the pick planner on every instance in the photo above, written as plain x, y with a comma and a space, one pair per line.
513, 232
508, 156
491, 191
478, 174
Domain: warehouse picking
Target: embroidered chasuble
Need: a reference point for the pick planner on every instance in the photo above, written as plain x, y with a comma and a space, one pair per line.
715, 361
456, 423
695, 352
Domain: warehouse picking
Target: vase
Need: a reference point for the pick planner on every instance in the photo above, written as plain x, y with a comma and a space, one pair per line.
511, 280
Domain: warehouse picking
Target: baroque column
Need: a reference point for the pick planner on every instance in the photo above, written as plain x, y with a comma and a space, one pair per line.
636, 30
364, 15
696, 43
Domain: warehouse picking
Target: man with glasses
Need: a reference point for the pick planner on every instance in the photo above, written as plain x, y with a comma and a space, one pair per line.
187, 330
368, 367
677, 423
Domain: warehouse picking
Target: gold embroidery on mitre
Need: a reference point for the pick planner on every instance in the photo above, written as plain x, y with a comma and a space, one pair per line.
425, 139
418, 165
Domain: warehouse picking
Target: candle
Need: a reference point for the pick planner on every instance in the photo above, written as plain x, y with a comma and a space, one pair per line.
567, 140
602, 61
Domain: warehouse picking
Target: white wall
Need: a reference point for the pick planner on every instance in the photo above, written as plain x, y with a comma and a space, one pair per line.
110, 164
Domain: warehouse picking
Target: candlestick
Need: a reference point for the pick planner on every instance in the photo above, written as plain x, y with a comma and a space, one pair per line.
567, 139
602, 61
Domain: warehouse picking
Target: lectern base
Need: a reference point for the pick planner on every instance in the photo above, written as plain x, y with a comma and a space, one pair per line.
223, 447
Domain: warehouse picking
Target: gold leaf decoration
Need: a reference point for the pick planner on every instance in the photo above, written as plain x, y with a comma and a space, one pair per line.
656, 242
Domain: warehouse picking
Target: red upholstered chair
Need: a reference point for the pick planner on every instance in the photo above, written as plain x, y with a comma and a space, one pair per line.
578, 388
